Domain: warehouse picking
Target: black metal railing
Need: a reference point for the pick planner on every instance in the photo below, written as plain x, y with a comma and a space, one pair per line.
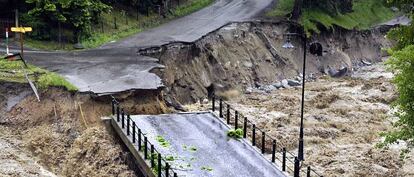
289, 161
159, 165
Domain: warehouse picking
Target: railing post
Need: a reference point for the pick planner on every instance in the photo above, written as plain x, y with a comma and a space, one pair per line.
228, 114
128, 123
152, 156
296, 169
284, 159
308, 172
133, 131
117, 113
263, 142
236, 120
221, 108
139, 139
159, 165
245, 128
213, 103
167, 169
113, 107
274, 151
145, 147
123, 118
254, 135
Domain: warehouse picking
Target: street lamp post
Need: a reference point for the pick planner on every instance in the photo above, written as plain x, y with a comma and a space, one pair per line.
289, 45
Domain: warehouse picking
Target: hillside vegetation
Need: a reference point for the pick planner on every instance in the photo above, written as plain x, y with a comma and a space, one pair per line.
317, 16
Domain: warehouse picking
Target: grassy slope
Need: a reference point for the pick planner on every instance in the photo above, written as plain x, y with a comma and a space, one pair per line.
366, 13
12, 71
127, 25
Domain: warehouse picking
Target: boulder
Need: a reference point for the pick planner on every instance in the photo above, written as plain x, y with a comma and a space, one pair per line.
277, 85
285, 83
293, 83
366, 63
269, 88
338, 73
249, 90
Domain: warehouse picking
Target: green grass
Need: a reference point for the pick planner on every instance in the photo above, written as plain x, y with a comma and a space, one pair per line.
12, 71
191, 7
365, 14
127, 24
46, 45
283, 8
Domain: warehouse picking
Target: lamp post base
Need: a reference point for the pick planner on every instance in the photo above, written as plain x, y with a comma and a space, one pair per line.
300, 154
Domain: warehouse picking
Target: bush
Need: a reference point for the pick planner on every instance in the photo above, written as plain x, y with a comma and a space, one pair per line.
237, 134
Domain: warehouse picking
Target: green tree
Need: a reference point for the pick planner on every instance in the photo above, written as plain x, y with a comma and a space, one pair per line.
77, 14
402, 64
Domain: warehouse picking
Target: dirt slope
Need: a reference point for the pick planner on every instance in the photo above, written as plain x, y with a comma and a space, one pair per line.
242, 55
52, 137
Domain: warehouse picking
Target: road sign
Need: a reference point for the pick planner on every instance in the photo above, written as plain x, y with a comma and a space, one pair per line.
21, 29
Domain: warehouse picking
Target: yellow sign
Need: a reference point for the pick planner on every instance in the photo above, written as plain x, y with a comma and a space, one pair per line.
21, 29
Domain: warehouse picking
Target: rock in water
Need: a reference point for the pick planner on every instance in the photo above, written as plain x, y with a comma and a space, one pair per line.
269, 88
277, 85
293, 83
249, 90
205, 101
285, 83
366, 63
338, 73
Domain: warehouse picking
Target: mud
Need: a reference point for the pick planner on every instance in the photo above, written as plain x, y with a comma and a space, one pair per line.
343, 119
63, 134
250, 54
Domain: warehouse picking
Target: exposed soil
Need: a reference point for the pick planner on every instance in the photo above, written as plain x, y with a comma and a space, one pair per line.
63, 134
242, 55
343, 119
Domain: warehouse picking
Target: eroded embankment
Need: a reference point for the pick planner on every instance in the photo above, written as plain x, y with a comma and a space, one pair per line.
241, 55
63, 133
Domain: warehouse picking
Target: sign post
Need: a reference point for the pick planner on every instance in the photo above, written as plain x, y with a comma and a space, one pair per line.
7, 41
21, 30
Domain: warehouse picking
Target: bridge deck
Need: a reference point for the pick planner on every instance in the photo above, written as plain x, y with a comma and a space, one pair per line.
196, 144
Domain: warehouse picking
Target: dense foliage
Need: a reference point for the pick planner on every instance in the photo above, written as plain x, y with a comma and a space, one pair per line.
402, 63
76, 14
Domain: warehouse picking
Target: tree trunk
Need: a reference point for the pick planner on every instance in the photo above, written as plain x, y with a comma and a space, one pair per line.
297, 10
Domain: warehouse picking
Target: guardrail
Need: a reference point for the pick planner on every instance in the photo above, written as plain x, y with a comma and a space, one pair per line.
258, 138
158, 164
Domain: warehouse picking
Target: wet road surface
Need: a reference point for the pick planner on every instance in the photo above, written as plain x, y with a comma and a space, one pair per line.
200, 147
117, 67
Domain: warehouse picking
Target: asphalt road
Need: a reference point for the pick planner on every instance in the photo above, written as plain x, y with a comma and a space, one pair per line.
117, 67
196, 25
198, 141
